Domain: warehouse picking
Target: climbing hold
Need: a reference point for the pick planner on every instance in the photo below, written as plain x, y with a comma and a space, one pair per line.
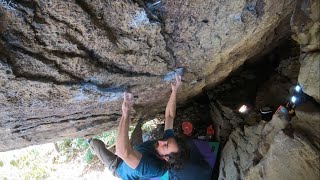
171, 75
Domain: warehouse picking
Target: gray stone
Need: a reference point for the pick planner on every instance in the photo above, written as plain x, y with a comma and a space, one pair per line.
279, 121
264, 151
305, 23
224, 121
309, 76
246, 147
307, 121
282, 151
238, 153
288, 158
289, 68
65, 64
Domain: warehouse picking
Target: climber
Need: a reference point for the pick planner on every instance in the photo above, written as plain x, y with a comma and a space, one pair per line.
149, 159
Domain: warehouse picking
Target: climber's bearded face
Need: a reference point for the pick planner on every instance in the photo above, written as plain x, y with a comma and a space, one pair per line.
166, 147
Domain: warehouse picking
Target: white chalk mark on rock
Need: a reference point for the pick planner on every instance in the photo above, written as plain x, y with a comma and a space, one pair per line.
140, 18
171, 75
236, 18
80, 96
8, 4
93, 92
112, 97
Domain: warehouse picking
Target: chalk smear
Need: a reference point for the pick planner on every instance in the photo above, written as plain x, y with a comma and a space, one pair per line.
100, 94
140, 18
8, 4
81, 96
171, 75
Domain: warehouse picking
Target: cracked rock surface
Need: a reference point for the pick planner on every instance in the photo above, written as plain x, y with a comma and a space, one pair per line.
284, 149
270, 151
305, 24
65, 64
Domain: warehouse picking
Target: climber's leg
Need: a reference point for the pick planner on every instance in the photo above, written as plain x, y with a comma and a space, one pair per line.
109, 159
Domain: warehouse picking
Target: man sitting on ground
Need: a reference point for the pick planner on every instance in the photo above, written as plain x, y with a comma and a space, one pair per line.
149, 159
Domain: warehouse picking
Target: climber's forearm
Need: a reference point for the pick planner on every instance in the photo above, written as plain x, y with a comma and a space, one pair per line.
170, 111
123, 146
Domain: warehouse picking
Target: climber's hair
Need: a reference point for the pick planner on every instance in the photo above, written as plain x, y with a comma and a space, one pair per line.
176, 160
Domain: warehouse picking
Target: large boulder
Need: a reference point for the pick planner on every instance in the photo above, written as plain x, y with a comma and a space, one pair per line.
305, 24
224, 121
279, 121
270, 150
238, 153
65, 64
307, 121
309, 75
288, 158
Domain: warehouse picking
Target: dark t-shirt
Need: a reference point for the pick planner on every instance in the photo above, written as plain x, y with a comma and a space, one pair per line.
195, 168
149, 166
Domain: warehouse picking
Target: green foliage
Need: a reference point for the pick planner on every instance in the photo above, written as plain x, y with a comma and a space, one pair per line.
70, 145
108, 138
30, 166
13, 163
64, 145
79, 144
1, 163
148, 126
88, 156
74, 147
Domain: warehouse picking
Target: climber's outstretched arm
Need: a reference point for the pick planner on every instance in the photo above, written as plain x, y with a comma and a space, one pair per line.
171, 106
123, 147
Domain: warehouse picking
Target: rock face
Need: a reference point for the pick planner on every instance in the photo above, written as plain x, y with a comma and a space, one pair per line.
280, 121
288, 158
284, 149
224, 121
274, 91
307, 121
238, 153
310, 74
306, 26
65, 64
269, 151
